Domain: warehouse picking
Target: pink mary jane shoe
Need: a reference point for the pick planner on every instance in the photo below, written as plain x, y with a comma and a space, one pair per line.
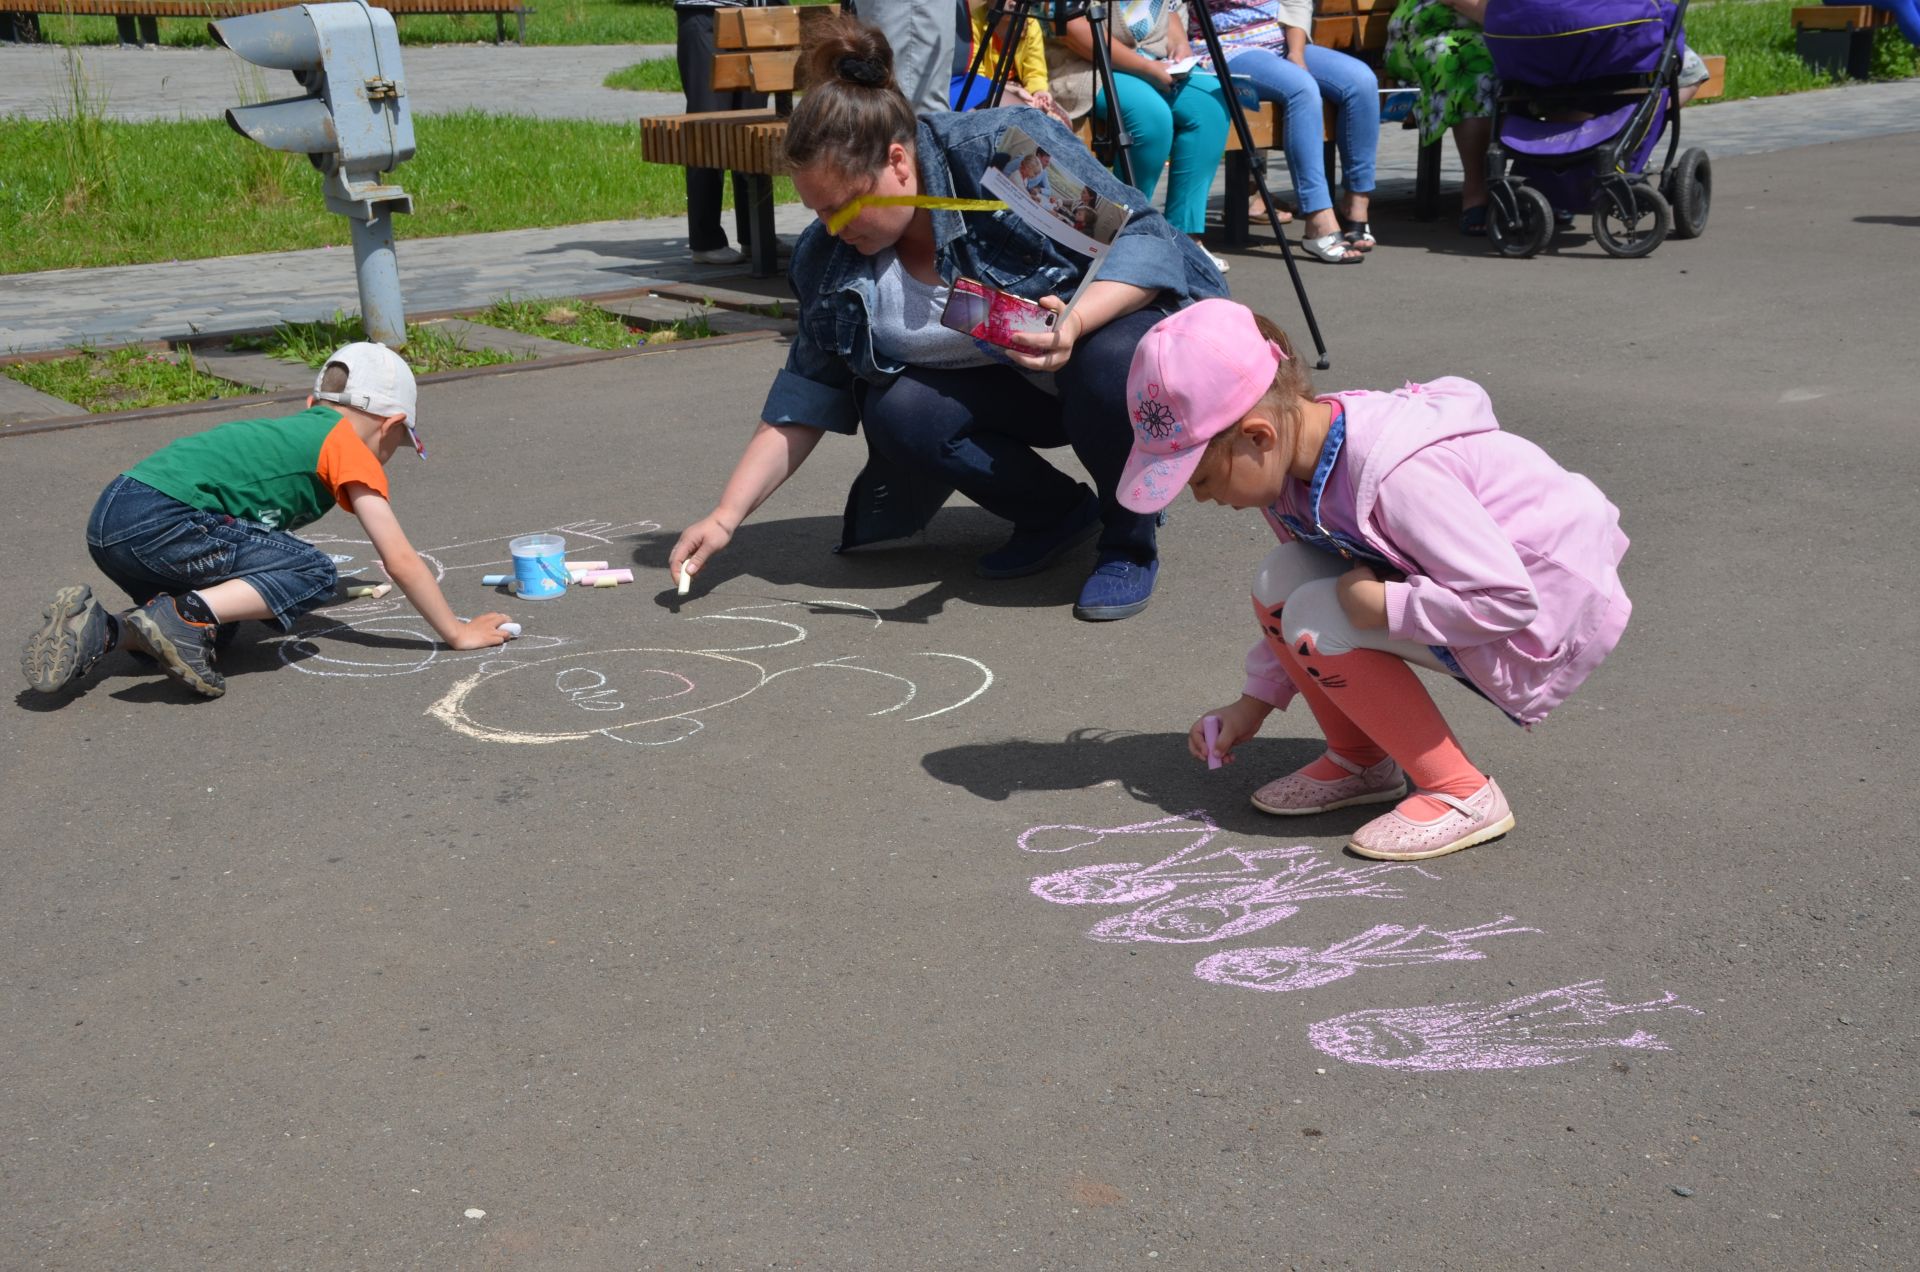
1296, 794
1481, 816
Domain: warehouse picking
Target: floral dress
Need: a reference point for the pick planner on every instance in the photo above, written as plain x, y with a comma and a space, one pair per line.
1430, 45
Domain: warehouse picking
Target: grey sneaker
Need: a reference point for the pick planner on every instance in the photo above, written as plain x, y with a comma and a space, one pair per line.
184, 649
76, 635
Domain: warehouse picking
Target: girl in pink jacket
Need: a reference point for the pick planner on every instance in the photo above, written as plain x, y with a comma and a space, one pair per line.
1412, 530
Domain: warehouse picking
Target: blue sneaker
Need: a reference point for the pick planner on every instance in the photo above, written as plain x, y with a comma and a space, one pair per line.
74, 635
1031, 551
1119, 587
183, 648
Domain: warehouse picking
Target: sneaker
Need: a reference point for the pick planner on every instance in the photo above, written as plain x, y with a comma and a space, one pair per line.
1031, 551
184, 648
1479, 817
1296, 794
1118, 588
1219, 262
76, 635
722, 255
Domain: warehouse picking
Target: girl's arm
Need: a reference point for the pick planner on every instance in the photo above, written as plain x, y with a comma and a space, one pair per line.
773, 454
1471, 587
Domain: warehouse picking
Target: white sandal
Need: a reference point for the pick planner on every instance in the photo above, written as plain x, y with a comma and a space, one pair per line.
1333, 249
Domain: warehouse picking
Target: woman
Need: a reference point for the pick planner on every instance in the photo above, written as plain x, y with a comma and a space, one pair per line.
1182, 117
1269, 42
940, 411
1437, 44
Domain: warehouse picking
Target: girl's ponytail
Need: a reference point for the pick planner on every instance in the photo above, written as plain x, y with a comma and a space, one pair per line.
851, 111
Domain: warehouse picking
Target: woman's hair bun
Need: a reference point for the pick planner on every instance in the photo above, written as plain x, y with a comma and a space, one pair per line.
869, 72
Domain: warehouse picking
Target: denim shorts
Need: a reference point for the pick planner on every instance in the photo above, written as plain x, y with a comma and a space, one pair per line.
149, 543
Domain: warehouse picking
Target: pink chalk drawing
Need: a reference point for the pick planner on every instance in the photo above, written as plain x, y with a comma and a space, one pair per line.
1278, 969
1530, 1032
1129, 882
1220, 914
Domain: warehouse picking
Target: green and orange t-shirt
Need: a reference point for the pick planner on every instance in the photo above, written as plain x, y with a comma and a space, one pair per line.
282, 473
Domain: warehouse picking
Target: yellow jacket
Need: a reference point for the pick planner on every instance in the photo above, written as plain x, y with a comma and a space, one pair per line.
1029, 58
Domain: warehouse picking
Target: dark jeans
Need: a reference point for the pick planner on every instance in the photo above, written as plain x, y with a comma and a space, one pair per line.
694, 48
979, 428
149, 543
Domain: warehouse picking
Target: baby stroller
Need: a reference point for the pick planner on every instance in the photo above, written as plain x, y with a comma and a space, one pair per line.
1586, 88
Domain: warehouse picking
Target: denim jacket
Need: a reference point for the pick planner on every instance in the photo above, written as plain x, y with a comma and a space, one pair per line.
832, 360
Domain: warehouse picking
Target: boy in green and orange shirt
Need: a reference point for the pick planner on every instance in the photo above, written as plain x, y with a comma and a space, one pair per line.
197, 533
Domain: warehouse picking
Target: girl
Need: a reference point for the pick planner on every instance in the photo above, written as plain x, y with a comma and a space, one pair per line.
1412, 531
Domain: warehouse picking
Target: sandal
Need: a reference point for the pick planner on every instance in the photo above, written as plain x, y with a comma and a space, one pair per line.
1257, 211
1332, 249
1473, 222
1359, 236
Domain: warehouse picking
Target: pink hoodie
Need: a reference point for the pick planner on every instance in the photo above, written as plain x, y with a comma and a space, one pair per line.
1510, 559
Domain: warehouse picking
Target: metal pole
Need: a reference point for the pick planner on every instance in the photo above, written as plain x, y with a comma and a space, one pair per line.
382, 311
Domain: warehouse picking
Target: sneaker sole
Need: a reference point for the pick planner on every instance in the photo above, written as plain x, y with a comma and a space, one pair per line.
1480, 836
1108, 613
1377, 797
169, 657
51, 659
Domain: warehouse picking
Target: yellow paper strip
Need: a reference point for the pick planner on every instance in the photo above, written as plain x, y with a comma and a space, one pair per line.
851, 210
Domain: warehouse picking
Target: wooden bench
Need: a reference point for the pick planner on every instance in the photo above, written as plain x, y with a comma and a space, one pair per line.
139, 20
1838, 38
758, 49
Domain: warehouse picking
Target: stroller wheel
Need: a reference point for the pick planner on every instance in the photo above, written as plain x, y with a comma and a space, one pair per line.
1689, 189
1522, 229
1630, 218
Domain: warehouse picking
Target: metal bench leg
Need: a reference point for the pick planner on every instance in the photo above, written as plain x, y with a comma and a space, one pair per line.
150, 31
1233, 216
499, 29
129, 29
520, 16
763, 247
1426, 184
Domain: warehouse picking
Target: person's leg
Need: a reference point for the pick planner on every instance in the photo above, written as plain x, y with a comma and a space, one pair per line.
1471, 136
1277, 79
1200, 126
1149, 120
1092, 409
693, 50
921, 34
1354, 89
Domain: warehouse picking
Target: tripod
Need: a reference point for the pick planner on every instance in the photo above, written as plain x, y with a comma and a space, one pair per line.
1094, 11
1063, 12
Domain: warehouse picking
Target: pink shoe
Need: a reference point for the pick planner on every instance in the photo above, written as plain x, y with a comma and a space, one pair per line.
1481, 816
1296, 794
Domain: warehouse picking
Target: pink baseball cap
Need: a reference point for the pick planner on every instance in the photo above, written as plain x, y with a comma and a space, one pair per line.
1195, 374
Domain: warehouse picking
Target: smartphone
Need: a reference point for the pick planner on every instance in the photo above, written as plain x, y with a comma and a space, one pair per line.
988, 314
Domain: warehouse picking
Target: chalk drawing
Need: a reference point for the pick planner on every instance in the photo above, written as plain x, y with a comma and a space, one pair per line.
1522, 1033
341, 655
661, 695
1220, 914
1127, 882
1287, 967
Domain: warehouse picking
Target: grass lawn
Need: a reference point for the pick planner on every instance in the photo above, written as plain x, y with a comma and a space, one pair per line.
97, 192
1756, 37
552, 22
124, 380
429, 348
579, 322
661, 75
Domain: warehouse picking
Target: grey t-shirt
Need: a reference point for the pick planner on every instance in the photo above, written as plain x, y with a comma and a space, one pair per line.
906, 321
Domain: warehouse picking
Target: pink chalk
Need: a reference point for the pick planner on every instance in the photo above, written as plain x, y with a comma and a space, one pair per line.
1210, 730
596, 578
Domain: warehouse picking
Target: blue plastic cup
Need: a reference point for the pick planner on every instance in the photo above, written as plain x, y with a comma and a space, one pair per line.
539, 566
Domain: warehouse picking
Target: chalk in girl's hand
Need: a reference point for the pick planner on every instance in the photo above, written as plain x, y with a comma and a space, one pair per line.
686, 577
496, 580
1210, 731
511, 629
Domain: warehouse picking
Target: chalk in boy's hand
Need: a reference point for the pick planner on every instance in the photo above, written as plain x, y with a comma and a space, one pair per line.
207, 517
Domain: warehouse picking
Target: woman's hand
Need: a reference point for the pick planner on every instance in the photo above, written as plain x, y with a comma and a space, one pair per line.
1150, 69
1238, 722
1363, 597
697, 544
1048, 351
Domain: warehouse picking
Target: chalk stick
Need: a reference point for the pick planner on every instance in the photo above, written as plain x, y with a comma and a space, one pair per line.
370, 592
580, 567
593, 578
1210, 730
496, 580
605, 582
511, 629
686, 577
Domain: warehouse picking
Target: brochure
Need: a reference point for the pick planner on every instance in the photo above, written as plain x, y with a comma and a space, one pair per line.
1021, 173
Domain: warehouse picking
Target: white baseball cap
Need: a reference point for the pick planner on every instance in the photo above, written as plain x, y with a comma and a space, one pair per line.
379, 382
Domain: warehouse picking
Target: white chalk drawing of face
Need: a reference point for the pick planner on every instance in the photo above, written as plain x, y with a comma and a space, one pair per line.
1220, 914
1547, 1028
659, 695
1281, 968
1197, 860
391, 643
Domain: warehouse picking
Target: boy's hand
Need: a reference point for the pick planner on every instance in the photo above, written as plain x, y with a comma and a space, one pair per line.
1238, 722
697, 544
1363, 597
480, 633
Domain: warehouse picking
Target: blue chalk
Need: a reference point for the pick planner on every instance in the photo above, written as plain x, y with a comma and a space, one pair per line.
496, 580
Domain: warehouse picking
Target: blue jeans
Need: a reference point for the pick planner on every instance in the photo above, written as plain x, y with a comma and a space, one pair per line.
1355, 92
1190, 127
978, 430
149, 543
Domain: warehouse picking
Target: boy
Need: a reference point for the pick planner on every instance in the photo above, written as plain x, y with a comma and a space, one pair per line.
197, 533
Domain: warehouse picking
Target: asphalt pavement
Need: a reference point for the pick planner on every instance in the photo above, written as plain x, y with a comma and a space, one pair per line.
857, 913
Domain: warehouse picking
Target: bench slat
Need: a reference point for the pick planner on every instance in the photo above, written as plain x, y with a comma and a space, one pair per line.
764, 71
1841, 17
